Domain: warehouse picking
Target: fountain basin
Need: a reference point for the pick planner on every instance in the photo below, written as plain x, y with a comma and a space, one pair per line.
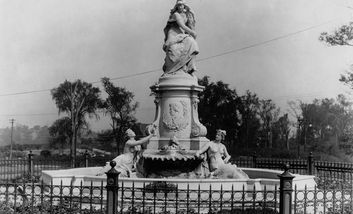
258, 179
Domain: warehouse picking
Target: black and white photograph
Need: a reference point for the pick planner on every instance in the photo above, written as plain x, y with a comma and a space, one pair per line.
176, 106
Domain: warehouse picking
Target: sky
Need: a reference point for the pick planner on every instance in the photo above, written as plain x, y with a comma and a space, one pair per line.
269, 47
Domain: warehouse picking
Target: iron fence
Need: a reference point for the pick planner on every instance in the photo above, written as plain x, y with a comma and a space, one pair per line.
171, 198
44, 198
32, 166
14, 168
331, 171
148, 198
118, 196
323, 200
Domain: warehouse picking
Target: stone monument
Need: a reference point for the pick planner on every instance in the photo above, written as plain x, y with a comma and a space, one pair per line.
177, 145
179, 133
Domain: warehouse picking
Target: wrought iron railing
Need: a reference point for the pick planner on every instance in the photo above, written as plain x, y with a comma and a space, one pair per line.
150, 198
44, 198
32, 166
112, 195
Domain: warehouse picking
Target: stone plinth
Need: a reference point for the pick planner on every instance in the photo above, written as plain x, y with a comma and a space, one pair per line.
176, 99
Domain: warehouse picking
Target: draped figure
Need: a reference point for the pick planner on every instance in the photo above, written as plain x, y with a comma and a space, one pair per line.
179, 43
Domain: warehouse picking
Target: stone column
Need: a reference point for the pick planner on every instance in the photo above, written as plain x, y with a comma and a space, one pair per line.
285, 191
112, 189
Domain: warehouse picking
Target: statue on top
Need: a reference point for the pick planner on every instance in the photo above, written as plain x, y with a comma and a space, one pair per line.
179, 43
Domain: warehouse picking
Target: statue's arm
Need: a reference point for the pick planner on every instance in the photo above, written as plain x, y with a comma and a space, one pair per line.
203, 149
182, 25
151, 133
139, 142
226, 154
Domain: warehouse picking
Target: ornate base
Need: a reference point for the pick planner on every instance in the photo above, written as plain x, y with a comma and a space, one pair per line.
179, 133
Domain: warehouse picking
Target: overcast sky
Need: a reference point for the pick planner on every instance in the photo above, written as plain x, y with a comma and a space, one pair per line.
269, 47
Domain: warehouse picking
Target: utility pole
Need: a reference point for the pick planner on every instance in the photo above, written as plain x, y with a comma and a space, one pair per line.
11, 121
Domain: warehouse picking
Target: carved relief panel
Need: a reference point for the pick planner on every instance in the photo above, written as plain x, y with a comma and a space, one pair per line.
176, 118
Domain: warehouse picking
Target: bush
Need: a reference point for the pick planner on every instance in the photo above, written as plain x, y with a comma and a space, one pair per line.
45, 153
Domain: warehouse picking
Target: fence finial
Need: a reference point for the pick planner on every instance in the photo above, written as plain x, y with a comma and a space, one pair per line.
286, 168
112, 164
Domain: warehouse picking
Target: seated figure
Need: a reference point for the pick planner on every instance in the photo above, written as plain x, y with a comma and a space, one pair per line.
218, 158
126, 162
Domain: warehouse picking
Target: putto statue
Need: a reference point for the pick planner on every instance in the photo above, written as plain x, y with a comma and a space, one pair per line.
179, 43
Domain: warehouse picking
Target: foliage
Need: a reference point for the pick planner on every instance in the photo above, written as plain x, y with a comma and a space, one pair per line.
342, 36
61, 132
119, 105
326, 118
24, 135
217, 108
249, 121
323, 124
45, 153
161, 186
281, 130
77, 99
46, 208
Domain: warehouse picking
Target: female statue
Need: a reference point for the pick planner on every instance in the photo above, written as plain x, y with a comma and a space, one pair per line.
179, 43
216, 151
126, 162
218, 159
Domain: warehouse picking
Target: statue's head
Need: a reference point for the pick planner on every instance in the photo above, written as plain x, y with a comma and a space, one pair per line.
180, 5
182, 2
130, 133
220, 134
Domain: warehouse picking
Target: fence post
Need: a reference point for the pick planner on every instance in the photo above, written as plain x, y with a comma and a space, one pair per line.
112, 189
86, 155
285, 191
310, 164
30, 164
254, 157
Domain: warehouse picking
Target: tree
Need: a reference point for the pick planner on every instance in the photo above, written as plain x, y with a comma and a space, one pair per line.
281, 130
342, 36
251, 123
325, 119
77, 99
218, 109
268, 113
61, 132
120, 106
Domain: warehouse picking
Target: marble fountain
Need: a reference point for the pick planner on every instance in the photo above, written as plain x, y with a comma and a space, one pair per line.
178, 93
172, 152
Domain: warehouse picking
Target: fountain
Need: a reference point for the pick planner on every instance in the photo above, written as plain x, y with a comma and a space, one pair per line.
177, 149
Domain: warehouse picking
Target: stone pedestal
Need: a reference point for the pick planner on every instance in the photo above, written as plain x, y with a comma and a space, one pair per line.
176, 99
